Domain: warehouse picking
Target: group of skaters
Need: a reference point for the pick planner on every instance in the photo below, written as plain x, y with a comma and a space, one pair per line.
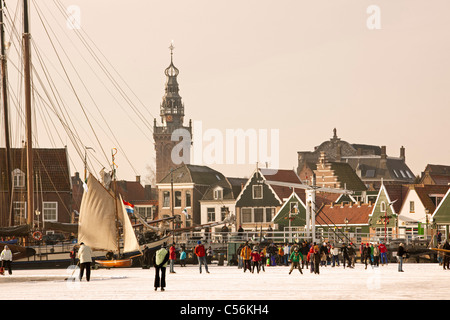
254, 257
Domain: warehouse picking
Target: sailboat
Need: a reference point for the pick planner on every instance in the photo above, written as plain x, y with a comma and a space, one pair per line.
102, 217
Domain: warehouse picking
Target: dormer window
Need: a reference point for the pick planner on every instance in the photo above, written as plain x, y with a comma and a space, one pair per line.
218, 194
18, 178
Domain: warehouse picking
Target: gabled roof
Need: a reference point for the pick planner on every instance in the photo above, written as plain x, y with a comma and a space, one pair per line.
188, 173
51, 166
347, 176
425, 191
374, 167
336, 214
396, 192
442, 213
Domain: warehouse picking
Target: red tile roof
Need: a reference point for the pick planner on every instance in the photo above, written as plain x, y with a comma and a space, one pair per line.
336, 214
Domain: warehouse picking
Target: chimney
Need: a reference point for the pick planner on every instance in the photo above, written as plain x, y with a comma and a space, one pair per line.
402, 153
138, 179
331, 205
383, 152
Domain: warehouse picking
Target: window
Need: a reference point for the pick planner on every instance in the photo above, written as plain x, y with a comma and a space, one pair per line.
246, 215
270, 212
188, 199
18, 178
211, 214
177, 199
259, 214
166, 199
223, 213
383, 206
20, 212
145, 212
411, 206
50, 211
293, 207
257, 192
218, 194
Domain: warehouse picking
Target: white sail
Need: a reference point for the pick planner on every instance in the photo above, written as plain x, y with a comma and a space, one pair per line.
130, 243
97, 223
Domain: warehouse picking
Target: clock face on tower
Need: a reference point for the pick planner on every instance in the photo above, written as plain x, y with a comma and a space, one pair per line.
169, 118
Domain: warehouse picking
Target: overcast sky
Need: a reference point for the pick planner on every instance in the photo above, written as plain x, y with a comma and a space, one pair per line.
301, 67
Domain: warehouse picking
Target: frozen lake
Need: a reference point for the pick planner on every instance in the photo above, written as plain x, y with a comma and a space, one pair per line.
417, 282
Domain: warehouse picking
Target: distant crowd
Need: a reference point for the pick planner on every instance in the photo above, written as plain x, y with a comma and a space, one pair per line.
313, 256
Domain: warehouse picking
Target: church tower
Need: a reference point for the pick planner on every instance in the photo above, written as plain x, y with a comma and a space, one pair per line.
172, 117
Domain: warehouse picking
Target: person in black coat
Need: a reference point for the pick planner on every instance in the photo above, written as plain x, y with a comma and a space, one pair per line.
367, 254
345, 256
446, 263
400, 253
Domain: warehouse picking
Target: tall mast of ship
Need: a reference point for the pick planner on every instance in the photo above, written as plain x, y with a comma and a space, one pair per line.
29, 142
6, 118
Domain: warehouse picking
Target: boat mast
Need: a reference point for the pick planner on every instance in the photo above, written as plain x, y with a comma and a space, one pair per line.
6, 119
113, 153
29, 142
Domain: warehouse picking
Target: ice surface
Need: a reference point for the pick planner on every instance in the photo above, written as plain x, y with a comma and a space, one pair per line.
417, 282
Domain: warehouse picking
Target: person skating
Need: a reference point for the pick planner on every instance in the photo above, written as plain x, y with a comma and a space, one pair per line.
85, 257
345, 256
246, 254
256, 258
295, 258
367, 255
172, 257
446, 256
6, 260
160, 260
200, 252
400, 253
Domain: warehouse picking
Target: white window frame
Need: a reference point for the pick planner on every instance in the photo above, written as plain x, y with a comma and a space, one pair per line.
18, 178
253, 191
54, 211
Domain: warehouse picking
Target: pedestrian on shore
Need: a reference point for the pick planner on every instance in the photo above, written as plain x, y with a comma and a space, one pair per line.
246, 254
383, 253
200, 252
183, 258
6, 258
172, 257
160, 260
85, 257
400, 253
295, 258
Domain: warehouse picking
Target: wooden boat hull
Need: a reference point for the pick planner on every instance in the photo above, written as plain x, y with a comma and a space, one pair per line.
18, 252
121, 263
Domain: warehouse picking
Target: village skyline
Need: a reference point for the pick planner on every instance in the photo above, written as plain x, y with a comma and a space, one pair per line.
377, 72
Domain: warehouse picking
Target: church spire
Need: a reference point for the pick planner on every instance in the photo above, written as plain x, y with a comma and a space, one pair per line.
172, 108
